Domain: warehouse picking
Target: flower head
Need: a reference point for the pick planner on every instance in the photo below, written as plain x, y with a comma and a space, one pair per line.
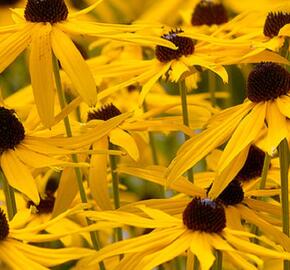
274, 22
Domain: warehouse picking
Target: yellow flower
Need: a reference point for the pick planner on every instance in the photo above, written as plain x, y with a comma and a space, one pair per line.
45, 26
21, 150
201, 228
241, 125
13, 243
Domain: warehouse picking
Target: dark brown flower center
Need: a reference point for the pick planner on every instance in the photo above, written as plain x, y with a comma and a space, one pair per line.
274, 22
46, 204
51, 11
267, 81
253, 166
185, 47
204, 215
8, 2
105, 113
232, 194
208, 12
11, 130
4, 226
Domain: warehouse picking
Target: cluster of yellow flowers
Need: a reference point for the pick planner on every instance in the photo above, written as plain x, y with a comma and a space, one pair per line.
140, 135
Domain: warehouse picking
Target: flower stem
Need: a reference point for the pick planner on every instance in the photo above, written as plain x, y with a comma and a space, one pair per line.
182, 92
219, 260
212, 87
115, 184
284, 166
9, 197
265, 170
62, 102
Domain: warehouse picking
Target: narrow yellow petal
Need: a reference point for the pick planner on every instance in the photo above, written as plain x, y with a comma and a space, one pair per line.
19, 176
253, 123
98, 181
40, 66
74, 65
123, 139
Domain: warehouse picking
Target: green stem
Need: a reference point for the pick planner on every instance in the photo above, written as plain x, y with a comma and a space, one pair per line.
212, 87
115, 184
195, 263
219, 260
265, 170
284, 166
62, 102
9, 197
185, 116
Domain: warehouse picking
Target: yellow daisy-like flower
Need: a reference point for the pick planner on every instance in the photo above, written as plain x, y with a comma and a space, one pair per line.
201, 228
242, 125
21, 150
45, 26
29, 256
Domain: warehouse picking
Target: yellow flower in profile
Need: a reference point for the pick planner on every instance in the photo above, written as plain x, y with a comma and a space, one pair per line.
14, 238
21, 150
45, 26
241, 125
201, 229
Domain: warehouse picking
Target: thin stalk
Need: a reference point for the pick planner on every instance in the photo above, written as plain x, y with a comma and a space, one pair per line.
182, 92
115, 185
62, 102
212, 87
266, 164
195, 263
284, 166
9, 197
219, 260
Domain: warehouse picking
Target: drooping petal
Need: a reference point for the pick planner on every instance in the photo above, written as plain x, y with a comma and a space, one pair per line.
123, 139
19, 176
98, 181
74, 65
41, 73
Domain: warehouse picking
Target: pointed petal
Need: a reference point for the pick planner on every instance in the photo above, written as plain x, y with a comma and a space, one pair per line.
74, 65
19, 176
41, 73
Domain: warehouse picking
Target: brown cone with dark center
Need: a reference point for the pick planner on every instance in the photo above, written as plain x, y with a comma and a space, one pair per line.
267, 81
185, 47
51, 11
4, 226
105, 113
233, 194
253, 166
11, 130
46, 204
8, 2
274, 22
209, 12
204, 215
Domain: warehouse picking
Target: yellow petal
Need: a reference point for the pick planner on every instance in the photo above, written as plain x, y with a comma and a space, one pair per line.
277, 127
13, 45
125, 140
40, 67
74, 65
224, 177
98, 181
19, 176
253, 123
177, 69
201, 247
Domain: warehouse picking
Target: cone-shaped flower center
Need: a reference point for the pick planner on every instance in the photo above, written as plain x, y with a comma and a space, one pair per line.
11, 130
253, 166
267, 81
51, 11
185, 47
204, 215
232, 194
8, 2
4, 226
46, 204
105, 113
209, 12
274, 22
